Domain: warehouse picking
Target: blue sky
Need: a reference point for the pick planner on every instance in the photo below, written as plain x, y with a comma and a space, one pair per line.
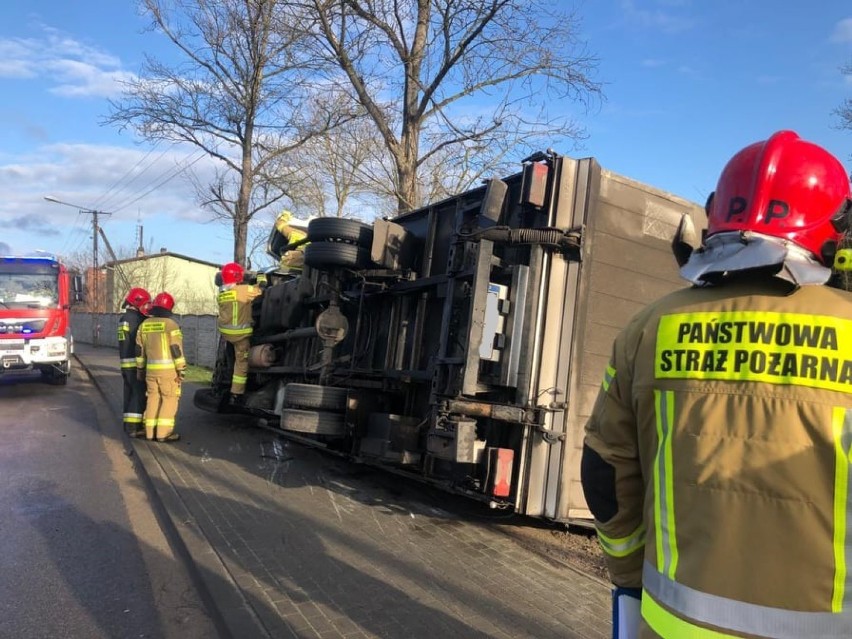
687, 83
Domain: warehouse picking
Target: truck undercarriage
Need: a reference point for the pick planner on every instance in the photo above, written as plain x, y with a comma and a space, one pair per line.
437, 344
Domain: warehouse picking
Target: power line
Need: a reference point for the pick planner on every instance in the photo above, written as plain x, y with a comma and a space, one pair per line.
168, 179
101, 201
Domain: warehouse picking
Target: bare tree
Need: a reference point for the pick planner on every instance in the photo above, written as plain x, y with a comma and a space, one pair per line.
241, 95
844, 111
337, 172
456, 83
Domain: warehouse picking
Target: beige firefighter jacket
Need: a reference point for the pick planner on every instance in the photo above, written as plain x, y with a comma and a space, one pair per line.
159, 348
235, 309
717, 462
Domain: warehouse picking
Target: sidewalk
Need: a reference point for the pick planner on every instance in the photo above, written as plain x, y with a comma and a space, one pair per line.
293, 542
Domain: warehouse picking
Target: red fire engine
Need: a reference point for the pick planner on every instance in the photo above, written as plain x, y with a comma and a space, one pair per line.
36, 294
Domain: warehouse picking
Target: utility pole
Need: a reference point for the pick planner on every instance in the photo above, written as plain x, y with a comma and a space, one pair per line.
95, 275
118, 268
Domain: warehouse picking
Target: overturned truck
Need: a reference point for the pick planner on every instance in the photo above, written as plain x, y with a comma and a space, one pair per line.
463, 343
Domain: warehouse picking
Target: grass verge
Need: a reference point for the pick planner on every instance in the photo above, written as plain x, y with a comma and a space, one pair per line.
198, 374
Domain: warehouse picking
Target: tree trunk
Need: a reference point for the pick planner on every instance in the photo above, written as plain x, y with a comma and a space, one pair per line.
408, 196
240, 237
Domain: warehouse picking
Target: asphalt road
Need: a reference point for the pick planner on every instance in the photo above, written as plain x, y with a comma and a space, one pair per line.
82, 553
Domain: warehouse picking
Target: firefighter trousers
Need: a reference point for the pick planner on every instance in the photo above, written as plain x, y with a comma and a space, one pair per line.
134, 400
241, 345
162, 405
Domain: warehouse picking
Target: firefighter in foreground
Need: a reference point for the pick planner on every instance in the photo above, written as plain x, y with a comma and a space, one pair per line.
135, 307
235, 324
160, 362
717, 458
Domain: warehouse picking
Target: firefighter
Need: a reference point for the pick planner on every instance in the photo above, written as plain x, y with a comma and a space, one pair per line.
160, 362
294, 231
717, 458
235, 323
135, 309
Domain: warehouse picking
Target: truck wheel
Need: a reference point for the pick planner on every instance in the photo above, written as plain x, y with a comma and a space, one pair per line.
331, 254
312, 422
315, 396
323, 229
57, 376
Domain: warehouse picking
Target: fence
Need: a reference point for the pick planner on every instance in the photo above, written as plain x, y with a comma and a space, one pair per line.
200, 338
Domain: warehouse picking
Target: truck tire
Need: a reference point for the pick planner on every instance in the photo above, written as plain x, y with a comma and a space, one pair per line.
323, 229
336, 254
312, 422
328, 398
57, 376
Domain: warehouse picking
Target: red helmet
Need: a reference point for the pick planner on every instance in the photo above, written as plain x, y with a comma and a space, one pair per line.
784, 187
163, 300
232, 273
137, 297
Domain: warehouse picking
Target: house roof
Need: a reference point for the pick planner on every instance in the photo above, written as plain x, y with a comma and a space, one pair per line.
161, 254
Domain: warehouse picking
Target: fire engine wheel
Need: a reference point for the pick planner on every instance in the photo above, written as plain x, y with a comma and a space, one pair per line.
315, 396
323, 229
57, 375
330, 254
312, 422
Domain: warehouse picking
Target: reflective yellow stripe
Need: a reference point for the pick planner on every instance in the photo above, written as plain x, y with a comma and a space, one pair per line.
166, 422
229, 295
842, 430
690, 606
623, 546
669, 626
609, 375
235, 331
776, 348
664, 516
161, 367
176, 333
239, 379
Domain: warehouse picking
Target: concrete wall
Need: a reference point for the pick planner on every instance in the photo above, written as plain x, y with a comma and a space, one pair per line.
200, 338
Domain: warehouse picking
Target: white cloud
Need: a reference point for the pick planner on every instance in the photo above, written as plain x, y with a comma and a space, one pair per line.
83, 174
80, 79
69, 67
652, 62
666, 20
130, 183
842, 31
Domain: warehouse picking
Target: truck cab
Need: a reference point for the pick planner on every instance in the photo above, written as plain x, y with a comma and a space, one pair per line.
36, 294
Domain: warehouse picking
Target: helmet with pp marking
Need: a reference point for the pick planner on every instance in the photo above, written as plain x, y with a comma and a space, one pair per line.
784, 187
